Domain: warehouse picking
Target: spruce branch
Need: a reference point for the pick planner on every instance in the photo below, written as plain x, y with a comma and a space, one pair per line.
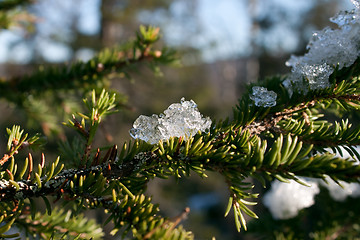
82, 75
59, 224
283, 139
97, 109
37, 93
16, 141
226, 149
229, 149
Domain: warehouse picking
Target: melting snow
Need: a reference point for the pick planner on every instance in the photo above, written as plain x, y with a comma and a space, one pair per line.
179, 119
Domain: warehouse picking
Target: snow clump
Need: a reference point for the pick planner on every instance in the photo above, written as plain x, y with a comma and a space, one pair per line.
327, 49
178, 120
285, 200
339, 193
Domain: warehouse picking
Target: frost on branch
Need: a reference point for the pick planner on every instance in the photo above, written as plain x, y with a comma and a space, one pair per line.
327, 49
285, 200
262, 97
179, 119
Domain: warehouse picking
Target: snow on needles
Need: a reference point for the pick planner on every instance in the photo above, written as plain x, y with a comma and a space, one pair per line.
285, 200
327, 49
179, 119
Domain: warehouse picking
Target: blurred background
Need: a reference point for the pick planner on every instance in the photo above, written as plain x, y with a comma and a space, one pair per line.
222, 45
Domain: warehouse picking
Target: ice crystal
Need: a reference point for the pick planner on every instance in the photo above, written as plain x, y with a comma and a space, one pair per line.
345, 18
326, 50
356, 3
316, 76
179, 119
339, 46
285, 200
262, 97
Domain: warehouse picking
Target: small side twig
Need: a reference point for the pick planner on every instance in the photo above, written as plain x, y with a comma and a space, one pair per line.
171, 222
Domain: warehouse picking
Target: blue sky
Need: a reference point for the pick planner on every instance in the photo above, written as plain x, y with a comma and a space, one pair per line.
220, 29
224, 29
55, 18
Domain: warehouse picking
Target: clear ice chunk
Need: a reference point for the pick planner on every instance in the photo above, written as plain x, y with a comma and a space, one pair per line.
344, 18
334, 47
316, 76
262, 97
356, 3
146, 128
179, 119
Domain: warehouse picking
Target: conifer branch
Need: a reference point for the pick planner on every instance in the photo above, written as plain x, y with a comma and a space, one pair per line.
84, 75
279, 131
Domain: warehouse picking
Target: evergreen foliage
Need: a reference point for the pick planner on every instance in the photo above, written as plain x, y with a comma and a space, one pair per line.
284, 142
